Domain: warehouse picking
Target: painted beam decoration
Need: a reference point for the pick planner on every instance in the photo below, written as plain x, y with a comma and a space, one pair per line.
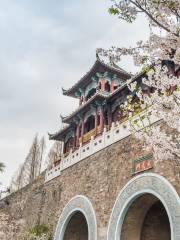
142, 164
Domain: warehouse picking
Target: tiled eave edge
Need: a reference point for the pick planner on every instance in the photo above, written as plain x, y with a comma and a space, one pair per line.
97, 96
114, 68
115, 134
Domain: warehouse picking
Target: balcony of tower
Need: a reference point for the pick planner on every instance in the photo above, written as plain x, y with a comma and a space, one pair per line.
118, 130
93, 142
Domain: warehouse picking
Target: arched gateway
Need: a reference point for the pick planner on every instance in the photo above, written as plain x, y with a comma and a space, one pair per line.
148, 207
77, 221
141, 200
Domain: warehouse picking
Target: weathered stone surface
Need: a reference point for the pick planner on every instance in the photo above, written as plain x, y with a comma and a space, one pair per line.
99, 177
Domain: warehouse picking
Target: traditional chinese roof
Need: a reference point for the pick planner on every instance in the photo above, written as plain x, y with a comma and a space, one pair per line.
123, 88
97, 98
60, 134
101, 67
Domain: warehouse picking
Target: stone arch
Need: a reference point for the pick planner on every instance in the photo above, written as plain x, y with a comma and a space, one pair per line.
148, 183
80, 204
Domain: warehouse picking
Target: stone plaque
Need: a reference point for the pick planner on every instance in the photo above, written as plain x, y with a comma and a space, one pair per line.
142, 164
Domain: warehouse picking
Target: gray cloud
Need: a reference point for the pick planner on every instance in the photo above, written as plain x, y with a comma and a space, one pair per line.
45, 45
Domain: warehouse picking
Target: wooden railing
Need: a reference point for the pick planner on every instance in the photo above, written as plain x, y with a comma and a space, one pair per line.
107, 138
56, 163
66, 154
87, 137
99, 130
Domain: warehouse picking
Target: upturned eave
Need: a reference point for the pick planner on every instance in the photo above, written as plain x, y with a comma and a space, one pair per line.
85, 79
59, 136
98, 96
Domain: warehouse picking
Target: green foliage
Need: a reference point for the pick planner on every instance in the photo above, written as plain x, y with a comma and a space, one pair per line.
113, 11
146, 68
128, 17
38, 231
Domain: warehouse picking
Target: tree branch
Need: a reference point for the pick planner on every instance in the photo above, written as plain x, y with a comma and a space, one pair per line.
152, 18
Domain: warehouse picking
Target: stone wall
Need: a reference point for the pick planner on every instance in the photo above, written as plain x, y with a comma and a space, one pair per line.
99, 177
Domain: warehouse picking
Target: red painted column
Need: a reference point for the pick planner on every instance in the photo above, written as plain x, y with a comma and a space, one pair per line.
96, 121
77, 135
112, 87
82, 130
74, 142
63, 146
101, 119
109, 116
103, 82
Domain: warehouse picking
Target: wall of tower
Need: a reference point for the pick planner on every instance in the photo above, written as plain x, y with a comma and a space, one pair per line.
100, 177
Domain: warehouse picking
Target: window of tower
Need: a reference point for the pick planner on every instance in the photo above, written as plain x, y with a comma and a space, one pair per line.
89, 124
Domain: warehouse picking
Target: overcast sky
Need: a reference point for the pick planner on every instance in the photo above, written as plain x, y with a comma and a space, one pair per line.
46, 44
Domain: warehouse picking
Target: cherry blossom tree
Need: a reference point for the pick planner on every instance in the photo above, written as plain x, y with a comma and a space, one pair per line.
160, 58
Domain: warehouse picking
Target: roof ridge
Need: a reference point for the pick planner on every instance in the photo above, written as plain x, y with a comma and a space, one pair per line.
98, 60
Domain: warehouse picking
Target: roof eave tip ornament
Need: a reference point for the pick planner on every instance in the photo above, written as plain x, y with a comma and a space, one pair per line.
62, 118
63, 90
50, 135
97, 56
111, 62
